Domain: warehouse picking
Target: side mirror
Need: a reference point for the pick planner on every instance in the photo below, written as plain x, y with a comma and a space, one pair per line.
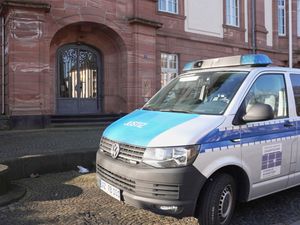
259, 112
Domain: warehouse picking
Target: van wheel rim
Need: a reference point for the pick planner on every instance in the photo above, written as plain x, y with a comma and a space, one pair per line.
225, 204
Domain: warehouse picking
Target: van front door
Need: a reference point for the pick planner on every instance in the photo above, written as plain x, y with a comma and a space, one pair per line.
267, 145
295, 109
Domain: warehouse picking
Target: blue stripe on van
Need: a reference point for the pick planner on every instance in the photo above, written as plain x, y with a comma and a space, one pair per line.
220, 139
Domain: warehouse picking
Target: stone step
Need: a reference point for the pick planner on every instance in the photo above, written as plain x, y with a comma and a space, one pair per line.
4, 181
102, 120
80, 124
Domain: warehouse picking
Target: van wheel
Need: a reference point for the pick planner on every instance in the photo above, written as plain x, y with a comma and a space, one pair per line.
217, 201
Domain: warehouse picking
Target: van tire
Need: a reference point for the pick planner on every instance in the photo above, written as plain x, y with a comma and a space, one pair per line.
217, 201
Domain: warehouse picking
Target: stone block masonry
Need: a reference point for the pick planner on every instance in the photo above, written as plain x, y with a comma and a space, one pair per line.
129, 37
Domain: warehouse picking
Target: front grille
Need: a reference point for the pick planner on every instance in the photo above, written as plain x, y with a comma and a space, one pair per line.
128, 153
142, 188
166, 191
118, 181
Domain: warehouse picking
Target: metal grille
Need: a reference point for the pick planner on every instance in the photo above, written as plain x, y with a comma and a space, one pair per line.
128, 153
78, 87
116, 180
166, 191
159, 191
78, 73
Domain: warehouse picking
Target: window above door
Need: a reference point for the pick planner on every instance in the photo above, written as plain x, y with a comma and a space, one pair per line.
232, 13
168, 6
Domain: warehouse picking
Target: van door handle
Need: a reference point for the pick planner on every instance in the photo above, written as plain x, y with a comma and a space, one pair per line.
235, 140
288, 124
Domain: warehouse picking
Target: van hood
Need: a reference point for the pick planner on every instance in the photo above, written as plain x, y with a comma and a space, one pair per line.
161, 129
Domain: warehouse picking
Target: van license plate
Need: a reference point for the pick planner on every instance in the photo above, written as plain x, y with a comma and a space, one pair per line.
111, 190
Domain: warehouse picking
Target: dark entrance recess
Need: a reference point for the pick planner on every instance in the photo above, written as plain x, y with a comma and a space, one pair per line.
78, 91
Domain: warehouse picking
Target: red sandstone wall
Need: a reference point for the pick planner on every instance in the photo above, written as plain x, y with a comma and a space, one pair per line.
131, 50
1, 67
35, 36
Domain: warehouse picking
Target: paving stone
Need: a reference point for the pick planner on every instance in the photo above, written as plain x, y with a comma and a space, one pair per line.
72, 198
296, 223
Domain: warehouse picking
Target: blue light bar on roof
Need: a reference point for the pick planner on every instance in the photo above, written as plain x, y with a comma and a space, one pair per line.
240, 60
256, 60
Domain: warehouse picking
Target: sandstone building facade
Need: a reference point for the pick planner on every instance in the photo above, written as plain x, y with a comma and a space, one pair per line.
86, 57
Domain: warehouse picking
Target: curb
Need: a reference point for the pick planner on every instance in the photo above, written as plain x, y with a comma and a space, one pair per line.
23, 167
4, 182
50, 129
14, 194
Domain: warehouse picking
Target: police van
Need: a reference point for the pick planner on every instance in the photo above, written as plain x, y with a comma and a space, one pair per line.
225, 130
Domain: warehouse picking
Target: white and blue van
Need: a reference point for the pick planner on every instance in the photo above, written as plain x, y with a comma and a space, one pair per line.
225, 130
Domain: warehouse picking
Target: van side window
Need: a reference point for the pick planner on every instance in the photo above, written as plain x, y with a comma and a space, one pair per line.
295, 78
268, 89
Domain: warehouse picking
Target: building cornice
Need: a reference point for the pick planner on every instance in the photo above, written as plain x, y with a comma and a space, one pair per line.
146, 22
26, 4
184, 36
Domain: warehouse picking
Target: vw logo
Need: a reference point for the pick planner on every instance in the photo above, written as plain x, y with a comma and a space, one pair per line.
115, 150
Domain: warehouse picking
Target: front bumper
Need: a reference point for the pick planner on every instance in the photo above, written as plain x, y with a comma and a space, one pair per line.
150, 188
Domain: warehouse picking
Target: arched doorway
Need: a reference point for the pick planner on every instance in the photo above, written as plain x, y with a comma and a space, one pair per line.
79, 79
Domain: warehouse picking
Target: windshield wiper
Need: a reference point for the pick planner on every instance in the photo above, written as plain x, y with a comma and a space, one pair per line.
149, 108
174, 110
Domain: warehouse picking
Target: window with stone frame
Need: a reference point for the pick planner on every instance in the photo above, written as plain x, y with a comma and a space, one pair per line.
232, 13
169, 67
169, 6
281, 17
298, 18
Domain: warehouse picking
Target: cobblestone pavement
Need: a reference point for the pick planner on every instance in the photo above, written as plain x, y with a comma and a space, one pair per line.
70, 198
20, 143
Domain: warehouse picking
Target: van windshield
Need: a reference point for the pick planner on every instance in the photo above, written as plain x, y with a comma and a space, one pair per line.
202, 93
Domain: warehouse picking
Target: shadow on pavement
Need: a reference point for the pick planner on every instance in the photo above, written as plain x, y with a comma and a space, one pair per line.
69, 198
280, 208
51, 187
33, 207
59, 192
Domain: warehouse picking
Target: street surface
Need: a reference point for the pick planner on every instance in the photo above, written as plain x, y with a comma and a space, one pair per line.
47, 141
72, 198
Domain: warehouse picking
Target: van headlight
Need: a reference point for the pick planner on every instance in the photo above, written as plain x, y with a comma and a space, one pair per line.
171, 156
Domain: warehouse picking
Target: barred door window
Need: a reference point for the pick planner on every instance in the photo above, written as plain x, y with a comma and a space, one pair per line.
169, 67
78, 80
78, 73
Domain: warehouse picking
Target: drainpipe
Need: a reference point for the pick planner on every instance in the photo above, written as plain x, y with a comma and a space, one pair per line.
3, 65
290, 36
253, 21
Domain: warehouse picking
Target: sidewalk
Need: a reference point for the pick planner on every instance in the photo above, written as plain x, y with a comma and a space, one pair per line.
53, 150
48, 150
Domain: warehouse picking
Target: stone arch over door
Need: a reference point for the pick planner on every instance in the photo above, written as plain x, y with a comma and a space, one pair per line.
113, 63
79, 75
